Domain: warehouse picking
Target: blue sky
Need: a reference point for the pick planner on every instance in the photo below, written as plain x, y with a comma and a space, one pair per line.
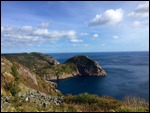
84, 26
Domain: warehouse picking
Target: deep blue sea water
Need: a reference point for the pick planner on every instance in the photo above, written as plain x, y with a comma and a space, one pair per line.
127, 74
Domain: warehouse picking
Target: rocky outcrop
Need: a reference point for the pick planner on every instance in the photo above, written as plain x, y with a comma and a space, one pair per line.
25, 72
39, 98
86, 66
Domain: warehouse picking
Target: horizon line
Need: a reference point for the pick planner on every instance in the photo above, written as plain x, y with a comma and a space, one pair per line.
72, 52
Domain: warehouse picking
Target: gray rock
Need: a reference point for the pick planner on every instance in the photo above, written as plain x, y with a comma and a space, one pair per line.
44, 104
27, 99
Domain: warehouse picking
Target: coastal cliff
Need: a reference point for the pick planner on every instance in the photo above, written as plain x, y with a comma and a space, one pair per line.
51, 69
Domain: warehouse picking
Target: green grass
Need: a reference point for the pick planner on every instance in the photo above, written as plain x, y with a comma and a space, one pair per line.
107, 104
15, 73
12, 88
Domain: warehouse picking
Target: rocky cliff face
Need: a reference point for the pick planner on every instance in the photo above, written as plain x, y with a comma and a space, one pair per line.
86, 66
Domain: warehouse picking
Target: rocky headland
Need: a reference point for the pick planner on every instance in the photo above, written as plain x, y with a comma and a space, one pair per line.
51, 69
86, 66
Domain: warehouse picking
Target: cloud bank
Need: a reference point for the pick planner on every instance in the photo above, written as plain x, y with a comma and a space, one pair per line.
28, 34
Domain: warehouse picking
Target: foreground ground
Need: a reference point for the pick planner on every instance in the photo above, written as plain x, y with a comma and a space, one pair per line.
79, 103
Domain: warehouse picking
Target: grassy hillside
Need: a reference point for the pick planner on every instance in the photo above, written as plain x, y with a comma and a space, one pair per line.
31, 60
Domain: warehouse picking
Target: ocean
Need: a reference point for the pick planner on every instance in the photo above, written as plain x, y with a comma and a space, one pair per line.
127, 75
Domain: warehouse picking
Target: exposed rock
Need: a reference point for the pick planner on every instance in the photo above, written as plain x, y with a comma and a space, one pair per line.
44, 104
23, 71
27, 99
87, 66
33, 96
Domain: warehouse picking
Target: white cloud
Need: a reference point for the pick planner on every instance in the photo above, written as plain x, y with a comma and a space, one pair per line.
136, 24
2, 29
143, 23
41, 32
44, 24
94, 36
144, 7
141, 11
84, 34
76, 40
110, 16
55, 35
6, 29
138, 14
27, 28
71, 34
115, 37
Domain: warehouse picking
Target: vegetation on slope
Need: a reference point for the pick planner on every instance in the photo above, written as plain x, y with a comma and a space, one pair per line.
82, 103
31, 60
58, 71
43, 65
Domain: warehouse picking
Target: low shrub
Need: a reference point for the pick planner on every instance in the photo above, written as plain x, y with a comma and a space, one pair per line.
12, 88
15, 73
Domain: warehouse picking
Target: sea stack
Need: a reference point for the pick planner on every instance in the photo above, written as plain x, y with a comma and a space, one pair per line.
86, 66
